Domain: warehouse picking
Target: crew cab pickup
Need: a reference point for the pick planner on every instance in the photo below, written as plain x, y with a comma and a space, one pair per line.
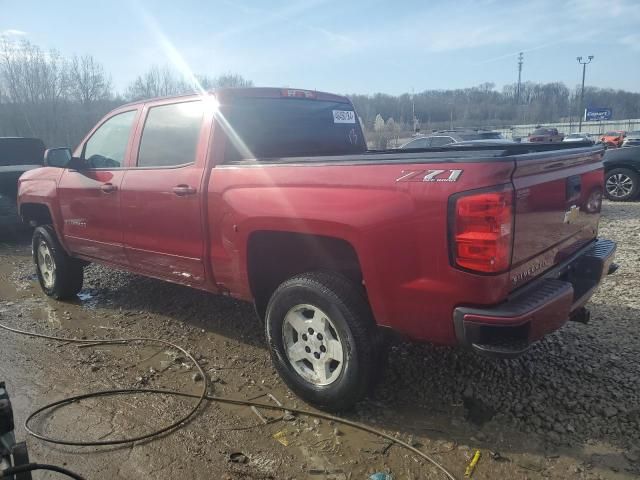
270, 196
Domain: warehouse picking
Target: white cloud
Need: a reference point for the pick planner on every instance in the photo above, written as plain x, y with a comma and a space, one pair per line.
12, 32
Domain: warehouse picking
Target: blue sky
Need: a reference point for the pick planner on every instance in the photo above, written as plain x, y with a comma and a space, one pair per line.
345, 46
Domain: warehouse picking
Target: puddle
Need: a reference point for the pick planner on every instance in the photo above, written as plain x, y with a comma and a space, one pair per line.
84, 296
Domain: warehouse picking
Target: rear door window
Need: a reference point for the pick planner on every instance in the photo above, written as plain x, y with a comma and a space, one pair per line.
289, 127
170, 135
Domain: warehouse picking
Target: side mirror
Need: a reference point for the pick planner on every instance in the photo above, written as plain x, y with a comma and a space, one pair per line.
57, 157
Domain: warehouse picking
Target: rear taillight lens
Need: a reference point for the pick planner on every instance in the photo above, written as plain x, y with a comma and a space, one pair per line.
482, 231
291, 93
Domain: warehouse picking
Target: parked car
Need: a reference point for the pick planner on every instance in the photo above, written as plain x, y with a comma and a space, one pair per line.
445, 137
546, 135
17, 155
622, 173
270, 196
613, 138
632, 139
578, 137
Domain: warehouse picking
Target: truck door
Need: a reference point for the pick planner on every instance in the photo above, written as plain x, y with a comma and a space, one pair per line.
89, 197
161, 194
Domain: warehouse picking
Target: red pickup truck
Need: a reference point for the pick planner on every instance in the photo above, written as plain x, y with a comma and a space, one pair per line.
270, 196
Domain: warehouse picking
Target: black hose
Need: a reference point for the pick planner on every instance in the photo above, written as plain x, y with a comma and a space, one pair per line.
30, 467
177, 423
201, 398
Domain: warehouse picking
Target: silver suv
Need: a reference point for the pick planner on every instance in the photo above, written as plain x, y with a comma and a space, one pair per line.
446, 137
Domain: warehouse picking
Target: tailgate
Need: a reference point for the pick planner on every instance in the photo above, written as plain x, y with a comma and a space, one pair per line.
558, 195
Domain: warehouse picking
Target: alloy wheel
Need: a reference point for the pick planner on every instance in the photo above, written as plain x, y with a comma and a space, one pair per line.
619, 185
47, 265
312, 344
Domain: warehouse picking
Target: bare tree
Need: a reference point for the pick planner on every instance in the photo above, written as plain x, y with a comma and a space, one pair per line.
378, 128
157, 82
227, 80
88, 81
36, 84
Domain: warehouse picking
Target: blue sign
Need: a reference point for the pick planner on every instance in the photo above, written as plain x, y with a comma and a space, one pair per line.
597, 114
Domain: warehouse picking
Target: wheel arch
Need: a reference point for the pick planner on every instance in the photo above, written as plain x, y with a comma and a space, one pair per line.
631, 166
36, 214
275, 256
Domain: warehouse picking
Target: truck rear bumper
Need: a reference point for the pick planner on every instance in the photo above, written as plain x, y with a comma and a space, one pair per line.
541, 307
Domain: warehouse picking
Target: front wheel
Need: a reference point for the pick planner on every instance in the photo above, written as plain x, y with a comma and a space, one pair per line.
323, 340
621, 184
60, 276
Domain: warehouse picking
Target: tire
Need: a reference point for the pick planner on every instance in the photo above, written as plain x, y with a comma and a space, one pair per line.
325, 308
60, 275
621, 184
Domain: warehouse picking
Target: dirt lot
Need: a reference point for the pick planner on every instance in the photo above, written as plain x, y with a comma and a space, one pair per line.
570, 408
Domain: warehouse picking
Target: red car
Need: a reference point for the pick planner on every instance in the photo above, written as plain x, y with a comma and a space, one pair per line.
546, 135
270, 196
614, 138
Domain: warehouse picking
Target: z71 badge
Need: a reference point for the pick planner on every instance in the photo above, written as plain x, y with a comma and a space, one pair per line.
429, 176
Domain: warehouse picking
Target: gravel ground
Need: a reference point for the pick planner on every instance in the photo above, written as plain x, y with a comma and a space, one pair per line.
569, 408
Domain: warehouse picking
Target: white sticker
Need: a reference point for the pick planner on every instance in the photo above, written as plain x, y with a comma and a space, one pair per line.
344, 116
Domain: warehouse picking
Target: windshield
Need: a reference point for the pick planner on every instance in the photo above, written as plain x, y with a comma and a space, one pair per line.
282, 127
541, 131
612, 134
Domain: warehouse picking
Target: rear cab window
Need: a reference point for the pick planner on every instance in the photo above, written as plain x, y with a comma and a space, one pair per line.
271, 128
21, 151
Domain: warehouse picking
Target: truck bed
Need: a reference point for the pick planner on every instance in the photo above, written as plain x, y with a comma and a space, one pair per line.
463, 153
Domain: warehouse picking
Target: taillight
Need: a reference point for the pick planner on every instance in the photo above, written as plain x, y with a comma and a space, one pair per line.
291, 93
482, 231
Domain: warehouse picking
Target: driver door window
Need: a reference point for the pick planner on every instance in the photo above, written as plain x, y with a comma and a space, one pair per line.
108, 145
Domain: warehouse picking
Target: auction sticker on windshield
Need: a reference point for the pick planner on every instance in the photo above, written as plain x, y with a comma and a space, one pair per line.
344, 116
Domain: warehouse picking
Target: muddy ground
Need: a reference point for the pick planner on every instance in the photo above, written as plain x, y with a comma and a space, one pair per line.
569, 408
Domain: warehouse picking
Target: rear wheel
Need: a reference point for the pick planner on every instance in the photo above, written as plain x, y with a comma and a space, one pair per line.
60, 275
621, 184
323, 340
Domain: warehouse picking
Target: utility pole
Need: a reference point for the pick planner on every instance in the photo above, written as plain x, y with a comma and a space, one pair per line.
520, 61
584, 71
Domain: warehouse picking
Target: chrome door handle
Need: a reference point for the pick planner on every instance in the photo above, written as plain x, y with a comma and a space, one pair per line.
108, 187
182, 190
